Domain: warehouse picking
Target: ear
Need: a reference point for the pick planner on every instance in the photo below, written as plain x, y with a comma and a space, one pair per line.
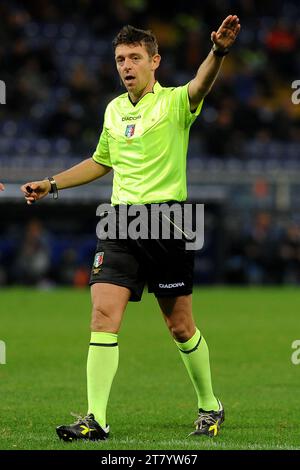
155, 61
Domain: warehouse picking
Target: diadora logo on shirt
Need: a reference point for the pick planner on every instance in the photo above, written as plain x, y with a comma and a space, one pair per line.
131, 118
171, 286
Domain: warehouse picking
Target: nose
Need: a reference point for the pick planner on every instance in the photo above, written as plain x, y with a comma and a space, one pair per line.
127, 64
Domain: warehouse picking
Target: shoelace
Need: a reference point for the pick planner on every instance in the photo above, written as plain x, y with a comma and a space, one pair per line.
82, 420
204, 418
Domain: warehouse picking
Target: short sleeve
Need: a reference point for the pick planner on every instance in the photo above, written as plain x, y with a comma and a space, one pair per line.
180, 105
101, 154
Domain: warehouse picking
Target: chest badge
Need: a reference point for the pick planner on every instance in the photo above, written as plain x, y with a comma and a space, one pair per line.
130, 128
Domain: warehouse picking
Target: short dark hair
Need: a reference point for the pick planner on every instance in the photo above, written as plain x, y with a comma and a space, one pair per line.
131, 35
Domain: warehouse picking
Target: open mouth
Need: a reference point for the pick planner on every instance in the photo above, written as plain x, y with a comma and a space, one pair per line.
129, 78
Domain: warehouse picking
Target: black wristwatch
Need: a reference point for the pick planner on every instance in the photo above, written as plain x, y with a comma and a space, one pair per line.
219, 52
53, 187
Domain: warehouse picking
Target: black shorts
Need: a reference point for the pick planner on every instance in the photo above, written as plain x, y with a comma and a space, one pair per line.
166, 266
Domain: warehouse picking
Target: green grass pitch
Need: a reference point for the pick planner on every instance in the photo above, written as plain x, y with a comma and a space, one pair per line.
152, 404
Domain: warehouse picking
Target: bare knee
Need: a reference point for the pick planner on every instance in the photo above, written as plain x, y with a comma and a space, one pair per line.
181, 331
104, 319
177, 312
109, 304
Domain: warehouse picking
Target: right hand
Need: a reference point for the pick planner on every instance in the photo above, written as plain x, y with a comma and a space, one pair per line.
1, 187
36, 190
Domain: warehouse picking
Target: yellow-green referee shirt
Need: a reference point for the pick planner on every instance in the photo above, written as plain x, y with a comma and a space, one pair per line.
146, 145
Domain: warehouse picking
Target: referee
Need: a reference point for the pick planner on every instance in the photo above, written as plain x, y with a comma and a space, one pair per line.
144, 141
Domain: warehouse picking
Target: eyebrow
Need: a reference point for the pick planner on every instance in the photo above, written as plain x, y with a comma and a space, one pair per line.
129, 55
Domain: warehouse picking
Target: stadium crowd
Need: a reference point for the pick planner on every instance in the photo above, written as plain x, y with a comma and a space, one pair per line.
57, 59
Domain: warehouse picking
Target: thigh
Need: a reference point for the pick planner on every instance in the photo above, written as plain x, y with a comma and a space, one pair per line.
176, 306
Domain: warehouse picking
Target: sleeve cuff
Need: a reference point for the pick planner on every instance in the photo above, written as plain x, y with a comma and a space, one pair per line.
101, 161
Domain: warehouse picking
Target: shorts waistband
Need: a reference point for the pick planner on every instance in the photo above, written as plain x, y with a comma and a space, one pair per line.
149, 205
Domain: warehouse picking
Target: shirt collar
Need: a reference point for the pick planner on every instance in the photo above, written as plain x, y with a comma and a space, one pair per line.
156, 88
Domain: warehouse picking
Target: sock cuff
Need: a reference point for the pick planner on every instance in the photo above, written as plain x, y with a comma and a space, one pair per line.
101, 338
191, 344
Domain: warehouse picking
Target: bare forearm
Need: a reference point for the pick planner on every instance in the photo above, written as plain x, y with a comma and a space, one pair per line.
210, 68
86, 171
205, 77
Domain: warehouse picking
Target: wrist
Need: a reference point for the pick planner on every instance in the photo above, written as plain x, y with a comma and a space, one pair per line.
53, 186
218, 51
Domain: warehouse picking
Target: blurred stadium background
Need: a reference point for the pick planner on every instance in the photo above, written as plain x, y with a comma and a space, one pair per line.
57, 63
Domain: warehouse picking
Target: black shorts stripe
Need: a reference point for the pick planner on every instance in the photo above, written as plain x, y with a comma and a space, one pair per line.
191, 350
106, 345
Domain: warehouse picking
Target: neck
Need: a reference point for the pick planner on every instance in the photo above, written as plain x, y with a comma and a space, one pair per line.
136, 96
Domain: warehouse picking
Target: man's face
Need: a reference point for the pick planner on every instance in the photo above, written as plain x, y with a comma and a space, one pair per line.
135, 66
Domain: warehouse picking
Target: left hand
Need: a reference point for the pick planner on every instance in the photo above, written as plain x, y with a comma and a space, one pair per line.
1, 187
227, 33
